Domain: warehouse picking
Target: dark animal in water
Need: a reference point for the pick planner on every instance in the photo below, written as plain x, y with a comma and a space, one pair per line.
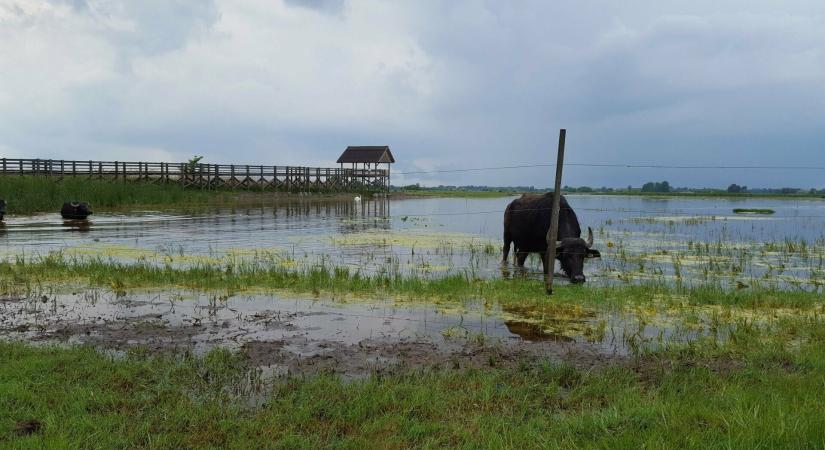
75, 211
2, 209
526, 223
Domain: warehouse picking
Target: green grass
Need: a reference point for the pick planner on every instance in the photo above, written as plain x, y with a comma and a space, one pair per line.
31, 194
753, 211
26, 195
317, 279
756, 392
759, 388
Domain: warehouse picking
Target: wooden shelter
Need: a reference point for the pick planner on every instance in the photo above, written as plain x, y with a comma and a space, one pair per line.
369, 158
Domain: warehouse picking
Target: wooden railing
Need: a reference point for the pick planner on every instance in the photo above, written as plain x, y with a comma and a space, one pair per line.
206, 176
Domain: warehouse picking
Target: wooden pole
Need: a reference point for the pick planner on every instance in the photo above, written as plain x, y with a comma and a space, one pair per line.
553, 232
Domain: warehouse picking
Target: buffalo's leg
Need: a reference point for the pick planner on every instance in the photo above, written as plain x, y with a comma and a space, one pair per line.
506, 248
520, 258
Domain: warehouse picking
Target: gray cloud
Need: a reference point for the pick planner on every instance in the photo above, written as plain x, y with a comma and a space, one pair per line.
324, 6
446, 84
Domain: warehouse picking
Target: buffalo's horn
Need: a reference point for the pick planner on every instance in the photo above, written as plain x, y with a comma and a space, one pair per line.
589, 237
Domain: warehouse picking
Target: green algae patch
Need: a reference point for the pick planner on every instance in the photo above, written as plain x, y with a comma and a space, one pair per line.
170, 256
412, 239
691, 220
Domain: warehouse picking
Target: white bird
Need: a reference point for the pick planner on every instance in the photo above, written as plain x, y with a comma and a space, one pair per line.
357, 198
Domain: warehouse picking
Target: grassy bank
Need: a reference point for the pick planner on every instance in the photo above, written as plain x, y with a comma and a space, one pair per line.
32, 194
26, 195
761, 390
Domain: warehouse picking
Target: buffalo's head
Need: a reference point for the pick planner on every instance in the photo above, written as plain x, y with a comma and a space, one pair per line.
572, 252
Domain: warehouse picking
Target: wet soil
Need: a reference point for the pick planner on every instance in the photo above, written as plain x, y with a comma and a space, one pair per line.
293, 336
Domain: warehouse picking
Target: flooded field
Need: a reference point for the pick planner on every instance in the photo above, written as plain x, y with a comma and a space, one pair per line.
667, 242
693, 241
287, 334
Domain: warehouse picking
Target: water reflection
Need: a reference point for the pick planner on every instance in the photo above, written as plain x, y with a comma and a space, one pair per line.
83, 226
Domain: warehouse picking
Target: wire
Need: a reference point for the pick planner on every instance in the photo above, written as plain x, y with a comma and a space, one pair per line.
622, 166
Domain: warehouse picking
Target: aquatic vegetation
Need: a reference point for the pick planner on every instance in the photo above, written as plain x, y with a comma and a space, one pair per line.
415, 239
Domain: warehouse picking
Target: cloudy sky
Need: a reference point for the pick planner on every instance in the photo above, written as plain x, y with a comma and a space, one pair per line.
447, 84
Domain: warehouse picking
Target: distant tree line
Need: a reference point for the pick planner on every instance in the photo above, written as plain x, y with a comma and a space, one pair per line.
664, 186
649, 187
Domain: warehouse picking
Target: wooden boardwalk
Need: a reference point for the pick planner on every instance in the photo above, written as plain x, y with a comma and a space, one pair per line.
206, 176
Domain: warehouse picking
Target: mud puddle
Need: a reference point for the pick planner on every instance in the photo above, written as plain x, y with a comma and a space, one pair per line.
303, 336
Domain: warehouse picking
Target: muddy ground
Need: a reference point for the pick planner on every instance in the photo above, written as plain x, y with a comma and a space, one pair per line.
294, 336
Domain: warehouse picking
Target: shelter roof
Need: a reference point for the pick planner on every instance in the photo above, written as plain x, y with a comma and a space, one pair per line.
367, 154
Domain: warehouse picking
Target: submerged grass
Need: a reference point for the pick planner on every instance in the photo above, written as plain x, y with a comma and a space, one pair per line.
756, 391
243, 275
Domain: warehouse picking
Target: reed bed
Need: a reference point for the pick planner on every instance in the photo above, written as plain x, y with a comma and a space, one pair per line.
30, 194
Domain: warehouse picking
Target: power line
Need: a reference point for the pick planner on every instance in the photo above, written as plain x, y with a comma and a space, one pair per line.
621, 166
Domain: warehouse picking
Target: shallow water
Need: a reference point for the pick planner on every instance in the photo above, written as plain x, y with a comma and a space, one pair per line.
640, 238
314, 327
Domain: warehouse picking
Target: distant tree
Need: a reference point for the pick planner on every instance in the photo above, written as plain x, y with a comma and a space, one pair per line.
788, 191
736, 189
192, 164
584, 189
650, 186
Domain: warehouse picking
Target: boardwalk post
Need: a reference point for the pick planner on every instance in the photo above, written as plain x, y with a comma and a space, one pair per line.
553, 232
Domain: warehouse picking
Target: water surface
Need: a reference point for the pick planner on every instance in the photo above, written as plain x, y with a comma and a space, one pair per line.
640, 238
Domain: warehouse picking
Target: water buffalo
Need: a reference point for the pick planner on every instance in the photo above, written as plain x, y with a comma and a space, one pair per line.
526, 222
75, 211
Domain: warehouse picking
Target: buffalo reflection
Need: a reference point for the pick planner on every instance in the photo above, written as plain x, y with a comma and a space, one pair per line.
82, 226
